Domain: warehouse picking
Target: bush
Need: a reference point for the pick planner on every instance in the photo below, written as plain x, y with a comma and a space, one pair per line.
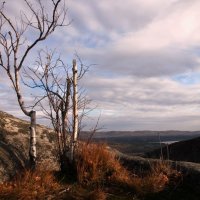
96, 165
159, 176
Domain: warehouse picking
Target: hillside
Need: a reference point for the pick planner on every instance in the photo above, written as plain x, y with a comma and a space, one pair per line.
14, 145
188, 150
103, 172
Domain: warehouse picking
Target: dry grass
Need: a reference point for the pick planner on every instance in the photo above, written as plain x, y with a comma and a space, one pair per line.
99, 176
30, 185
97, 194
99, 168
158, 178
96, 165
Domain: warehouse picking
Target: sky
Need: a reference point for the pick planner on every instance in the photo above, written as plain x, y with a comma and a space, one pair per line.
144, 57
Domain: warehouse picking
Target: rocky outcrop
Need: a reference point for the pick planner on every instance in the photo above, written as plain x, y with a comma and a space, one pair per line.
14, 146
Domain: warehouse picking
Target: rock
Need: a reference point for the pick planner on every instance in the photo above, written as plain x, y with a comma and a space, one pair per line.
14, 146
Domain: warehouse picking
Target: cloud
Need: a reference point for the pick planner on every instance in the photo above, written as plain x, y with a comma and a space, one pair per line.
138, 103
145, 64
150, 25
147, 56
177, 26
160, 39
143, 91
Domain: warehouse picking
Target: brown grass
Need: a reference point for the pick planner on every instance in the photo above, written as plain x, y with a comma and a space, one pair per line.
97, 194
30, 185
99, 176
158, 178
96, 165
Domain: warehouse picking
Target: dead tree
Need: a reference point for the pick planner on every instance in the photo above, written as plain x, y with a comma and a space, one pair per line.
16, 46
75, 110
59, 99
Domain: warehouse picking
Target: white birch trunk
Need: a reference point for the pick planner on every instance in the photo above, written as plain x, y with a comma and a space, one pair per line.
75, 111
32, 115
32, 147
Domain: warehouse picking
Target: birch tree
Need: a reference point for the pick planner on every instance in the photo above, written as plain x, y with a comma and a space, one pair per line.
75, 110
16, 44
59, 99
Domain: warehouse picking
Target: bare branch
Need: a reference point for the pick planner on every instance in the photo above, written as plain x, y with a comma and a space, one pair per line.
95, 129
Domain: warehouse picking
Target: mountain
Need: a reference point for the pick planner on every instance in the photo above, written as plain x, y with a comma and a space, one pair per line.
145, 133
139, 142
14, 145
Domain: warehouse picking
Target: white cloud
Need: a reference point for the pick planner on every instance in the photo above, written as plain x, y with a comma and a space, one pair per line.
178, 26
162, 44
139, 46
149, 100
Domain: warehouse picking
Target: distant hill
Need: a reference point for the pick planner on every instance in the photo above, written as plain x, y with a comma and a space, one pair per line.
112, 134
139, 142
188, 150
14, 145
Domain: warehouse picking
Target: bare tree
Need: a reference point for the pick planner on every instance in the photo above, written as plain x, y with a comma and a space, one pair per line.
15, 47
75, 110
57, 83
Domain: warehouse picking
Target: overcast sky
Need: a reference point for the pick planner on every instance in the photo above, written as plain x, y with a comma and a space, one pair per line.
147, 61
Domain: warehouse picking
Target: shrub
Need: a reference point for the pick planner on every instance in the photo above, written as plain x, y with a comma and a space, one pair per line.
96, 165
159, 176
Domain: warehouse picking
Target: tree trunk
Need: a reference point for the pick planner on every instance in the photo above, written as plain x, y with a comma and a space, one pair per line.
75, 111
65, 113
32, 115
32, 148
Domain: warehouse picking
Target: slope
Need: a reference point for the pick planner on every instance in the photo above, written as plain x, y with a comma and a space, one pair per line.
14, 145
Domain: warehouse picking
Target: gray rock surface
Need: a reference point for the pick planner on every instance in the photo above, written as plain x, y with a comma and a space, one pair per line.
14, 146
